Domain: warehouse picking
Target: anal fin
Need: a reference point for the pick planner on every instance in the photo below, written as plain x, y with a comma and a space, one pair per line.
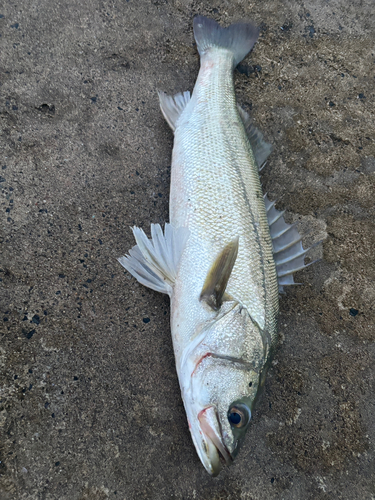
154, 262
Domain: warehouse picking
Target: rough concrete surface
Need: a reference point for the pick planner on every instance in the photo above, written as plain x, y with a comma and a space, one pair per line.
90, 404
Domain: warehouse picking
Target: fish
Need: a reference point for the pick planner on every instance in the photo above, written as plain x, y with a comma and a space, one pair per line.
226, 253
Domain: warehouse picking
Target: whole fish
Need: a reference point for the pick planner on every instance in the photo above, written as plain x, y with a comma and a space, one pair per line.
226, 252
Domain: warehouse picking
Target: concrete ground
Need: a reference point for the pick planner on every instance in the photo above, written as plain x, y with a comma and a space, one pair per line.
90, 404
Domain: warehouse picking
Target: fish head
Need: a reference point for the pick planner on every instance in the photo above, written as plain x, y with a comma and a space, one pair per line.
225, 373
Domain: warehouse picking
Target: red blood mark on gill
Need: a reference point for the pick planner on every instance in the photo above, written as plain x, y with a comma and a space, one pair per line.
200, 361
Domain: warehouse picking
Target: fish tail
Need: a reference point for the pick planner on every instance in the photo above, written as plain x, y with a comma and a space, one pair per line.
238, 38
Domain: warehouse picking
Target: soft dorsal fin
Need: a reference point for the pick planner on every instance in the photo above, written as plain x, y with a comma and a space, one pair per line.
154, 262
288, 252
213, 290
260, 147
173, 106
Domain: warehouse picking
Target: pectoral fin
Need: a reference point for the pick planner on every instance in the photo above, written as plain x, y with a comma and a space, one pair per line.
213, 291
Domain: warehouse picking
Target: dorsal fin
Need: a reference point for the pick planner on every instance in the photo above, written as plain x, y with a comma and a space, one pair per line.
260, 147
173, 106
217, 278
288, 252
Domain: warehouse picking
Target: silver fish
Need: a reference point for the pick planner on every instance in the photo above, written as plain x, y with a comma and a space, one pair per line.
225, 254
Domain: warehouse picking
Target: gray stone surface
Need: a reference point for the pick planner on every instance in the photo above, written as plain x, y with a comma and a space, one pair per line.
90, 404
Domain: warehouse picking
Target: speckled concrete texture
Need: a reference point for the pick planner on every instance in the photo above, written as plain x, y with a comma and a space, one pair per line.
90, 404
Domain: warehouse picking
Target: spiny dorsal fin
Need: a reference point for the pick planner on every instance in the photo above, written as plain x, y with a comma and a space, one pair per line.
154, 262
173, 106
260, 147
288, 252
213, 291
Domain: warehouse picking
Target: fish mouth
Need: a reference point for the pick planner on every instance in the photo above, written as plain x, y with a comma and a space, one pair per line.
216, 451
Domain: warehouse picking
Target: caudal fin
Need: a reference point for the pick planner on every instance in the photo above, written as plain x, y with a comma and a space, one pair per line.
238, 38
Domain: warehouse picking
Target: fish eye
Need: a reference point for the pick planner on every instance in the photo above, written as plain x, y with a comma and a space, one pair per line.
239, 416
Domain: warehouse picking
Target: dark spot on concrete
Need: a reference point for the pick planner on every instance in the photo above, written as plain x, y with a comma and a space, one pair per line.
247, 70
35, 319
47, 109
311, 31
286, 26
353, 312
28, 334
146, 320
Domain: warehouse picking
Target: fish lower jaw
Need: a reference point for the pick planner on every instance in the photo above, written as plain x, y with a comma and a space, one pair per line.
216, 451
214, 465
211, 457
